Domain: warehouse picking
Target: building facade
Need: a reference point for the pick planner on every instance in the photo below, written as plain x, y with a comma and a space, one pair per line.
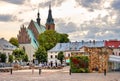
114, 61
115, 45
6, 47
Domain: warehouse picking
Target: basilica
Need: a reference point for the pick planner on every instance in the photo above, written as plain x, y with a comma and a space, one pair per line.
27, 36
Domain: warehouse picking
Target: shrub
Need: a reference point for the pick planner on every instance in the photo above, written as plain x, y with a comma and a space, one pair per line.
79, 64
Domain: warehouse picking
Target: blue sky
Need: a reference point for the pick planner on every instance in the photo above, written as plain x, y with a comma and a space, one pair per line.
80, 19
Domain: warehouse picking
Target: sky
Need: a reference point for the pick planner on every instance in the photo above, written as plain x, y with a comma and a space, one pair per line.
80, 19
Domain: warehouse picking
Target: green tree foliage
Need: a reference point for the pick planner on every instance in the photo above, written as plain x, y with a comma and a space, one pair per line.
50, 38
3, 57
19, 54
64, 38
60, 56
10, 58
41, 54
14, 41
25, 58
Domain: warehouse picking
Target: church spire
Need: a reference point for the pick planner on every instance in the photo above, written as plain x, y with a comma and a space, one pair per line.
38, 18
50, 21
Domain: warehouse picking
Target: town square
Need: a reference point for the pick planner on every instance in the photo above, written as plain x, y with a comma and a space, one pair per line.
58, 75
59, 40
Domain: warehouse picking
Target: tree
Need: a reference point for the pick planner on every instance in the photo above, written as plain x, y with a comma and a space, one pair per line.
25, 58
41, 54
3, 57
50, 38
60, 56
63, 38
19, 54
14, 41
10, 58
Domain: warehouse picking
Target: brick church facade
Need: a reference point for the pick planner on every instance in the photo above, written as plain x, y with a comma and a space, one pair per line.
27, 36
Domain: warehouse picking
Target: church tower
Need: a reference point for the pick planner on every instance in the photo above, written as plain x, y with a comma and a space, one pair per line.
50, 21
38, 18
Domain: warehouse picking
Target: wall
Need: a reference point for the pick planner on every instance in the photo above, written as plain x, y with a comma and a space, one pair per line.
29, 50
53, 59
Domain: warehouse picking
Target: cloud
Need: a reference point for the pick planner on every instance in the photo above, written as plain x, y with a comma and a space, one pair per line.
5, 18
8, 18
53, 3
116, 4
65, 27
88, 3
91, 4
100, 28
14, 1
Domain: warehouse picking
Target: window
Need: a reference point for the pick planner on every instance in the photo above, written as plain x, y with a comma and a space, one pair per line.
113, 53
68, 55
119, 54
48, 27
51, 56
55, 56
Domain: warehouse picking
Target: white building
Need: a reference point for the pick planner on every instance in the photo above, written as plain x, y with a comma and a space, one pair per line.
6, 47
69, 48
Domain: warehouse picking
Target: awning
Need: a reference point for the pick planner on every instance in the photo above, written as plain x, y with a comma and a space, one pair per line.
113, 58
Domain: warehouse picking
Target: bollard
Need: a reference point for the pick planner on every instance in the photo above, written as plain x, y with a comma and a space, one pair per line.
69, 71
11, 71
104, 72
39, 71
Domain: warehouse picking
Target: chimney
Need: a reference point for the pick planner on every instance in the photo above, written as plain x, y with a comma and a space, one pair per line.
82, 41
94, 42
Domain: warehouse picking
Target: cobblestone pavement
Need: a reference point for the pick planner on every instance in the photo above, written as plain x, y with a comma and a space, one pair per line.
58, 75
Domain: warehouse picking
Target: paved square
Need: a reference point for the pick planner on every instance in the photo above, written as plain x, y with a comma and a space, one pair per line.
58, 75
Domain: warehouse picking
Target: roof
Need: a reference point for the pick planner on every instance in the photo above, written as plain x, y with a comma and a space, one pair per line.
33, 40
40, 28
5, 45
75, 46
